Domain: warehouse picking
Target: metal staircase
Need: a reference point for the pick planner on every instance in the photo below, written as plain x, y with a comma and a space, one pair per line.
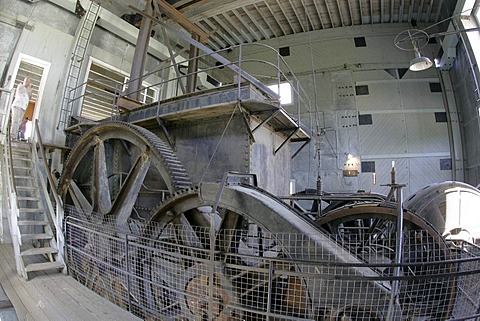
37, 248
83, 36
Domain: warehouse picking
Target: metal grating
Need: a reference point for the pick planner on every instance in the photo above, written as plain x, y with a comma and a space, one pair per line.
270, 277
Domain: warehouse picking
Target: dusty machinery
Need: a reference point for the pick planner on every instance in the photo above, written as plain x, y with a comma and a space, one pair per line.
171, 236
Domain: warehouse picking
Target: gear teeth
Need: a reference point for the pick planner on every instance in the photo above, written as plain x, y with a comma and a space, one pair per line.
178, 175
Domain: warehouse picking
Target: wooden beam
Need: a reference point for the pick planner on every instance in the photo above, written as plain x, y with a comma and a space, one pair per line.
286, 17
257, 24
246, 26
352, 22
178, 17
208, 8
329, 14
274, 16
300, 20
319, 15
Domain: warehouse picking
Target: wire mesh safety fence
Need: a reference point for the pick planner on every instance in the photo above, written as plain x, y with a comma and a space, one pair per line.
170, 272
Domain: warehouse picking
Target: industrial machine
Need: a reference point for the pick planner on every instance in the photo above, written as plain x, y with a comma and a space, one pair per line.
174, 212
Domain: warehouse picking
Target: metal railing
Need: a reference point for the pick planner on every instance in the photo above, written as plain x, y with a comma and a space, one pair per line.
11, 195
55, 208
268, 276
235, 72
5, 102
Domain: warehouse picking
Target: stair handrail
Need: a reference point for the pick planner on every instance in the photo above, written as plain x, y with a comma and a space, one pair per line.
12, 196
57, 219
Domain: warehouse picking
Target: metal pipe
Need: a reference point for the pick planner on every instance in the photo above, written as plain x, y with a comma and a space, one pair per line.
394, 294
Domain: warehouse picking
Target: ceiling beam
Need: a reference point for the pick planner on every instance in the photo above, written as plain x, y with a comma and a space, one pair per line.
286, 17
208, 8
213, 37
329, 14
229, 31
429, 11
254, 21
310, 19
340, 15
266, 22
420, 11
361, 10
352, 22
371, 12
244, 24
410, 11
392, 7
382, 11
178, 17
400, 12
276, 20
439, 10
318, 13
298, 16
214, 28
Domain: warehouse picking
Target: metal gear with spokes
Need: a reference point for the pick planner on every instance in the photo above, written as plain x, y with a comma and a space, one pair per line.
369, 231
120, 169
246, 224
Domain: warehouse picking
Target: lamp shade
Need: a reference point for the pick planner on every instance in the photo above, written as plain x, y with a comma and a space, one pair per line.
420, 63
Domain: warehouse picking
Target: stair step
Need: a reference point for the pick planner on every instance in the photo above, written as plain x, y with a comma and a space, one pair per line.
23, 177
44, 266
39, 251
41, 236
30, 210
28, 198
21, 158
25, 223
26, 188
22, 167
20, 153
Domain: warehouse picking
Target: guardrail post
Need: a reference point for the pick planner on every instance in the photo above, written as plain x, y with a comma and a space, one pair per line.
128, 274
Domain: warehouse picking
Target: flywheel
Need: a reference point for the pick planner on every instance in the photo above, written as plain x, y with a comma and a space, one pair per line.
122, 170
253, 267
369, 231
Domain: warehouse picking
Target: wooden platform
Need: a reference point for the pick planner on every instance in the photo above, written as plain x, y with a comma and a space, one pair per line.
52, 297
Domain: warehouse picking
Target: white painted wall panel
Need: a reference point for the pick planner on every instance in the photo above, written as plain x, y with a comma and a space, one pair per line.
424, 171
385, 136
425, 135
417, 95
382, 96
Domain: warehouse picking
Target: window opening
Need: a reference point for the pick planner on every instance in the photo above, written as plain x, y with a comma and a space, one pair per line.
103, 83
285, 92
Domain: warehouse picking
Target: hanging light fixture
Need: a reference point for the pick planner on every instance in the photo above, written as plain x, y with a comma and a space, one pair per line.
414, 40
420, 62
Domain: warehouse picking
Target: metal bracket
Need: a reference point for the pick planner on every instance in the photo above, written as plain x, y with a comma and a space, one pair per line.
165, 131
300, 148
286, 140
245, 120
266, 120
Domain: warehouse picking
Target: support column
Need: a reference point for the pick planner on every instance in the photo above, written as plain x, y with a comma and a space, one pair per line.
140, 54
192, 66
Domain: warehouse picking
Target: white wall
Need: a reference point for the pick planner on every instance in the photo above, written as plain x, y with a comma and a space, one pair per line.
404, 129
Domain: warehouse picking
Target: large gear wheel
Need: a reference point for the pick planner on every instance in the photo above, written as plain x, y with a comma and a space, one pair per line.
369, 231
122, 170
246, 222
